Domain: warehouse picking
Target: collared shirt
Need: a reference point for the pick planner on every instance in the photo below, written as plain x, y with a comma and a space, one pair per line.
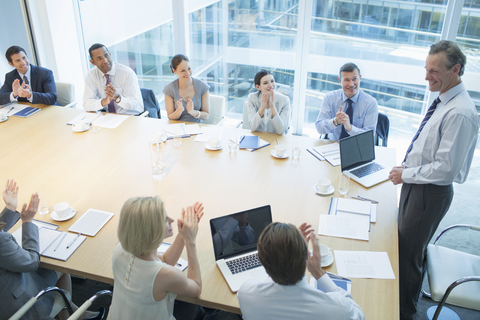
365, 113
278, 124
444, 149
125, 82
269, 300
27, 74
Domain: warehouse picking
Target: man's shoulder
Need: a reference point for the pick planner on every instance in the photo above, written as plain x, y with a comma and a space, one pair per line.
39, 69
123, 68
462, 104
366, 97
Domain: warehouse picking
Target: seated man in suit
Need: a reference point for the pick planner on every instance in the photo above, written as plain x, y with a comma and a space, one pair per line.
348, 111
111, 86
27, 82
283, 251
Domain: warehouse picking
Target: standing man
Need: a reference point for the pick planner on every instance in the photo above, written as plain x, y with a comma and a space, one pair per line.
348, 111
27, 82
111, 86
440, 153
283, 251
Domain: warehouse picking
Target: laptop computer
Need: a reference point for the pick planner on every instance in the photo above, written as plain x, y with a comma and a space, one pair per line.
356, 159
235, 238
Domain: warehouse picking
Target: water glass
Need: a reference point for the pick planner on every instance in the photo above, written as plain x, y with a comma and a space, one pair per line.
43, 207
232, 147
343, 184
296, 153
95, 128
157, 157
177, 140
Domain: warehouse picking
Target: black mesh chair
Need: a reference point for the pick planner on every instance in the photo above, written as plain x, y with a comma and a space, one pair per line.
381, 133
150, 103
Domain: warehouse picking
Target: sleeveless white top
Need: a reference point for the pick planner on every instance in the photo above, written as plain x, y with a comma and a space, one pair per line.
133, 289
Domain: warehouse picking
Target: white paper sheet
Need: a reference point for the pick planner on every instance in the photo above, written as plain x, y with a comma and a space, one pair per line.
182, 264
209, 132
177, 129
110, 121
58, 249
85, 117
91, 222
13, 108
192, 129
363, 264
353, 226
354, 206
331, 153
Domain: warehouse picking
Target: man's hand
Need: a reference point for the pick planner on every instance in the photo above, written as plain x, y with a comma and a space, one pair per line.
15, 87
24, 91
313, 262
396, 175
344, 119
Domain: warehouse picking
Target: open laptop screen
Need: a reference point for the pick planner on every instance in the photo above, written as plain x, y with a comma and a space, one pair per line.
238, 233
357, 150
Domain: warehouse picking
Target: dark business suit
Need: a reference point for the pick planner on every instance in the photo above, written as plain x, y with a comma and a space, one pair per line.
42, 86
20, 277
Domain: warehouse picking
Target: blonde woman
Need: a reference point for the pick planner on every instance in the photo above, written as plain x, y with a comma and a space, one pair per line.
146, 283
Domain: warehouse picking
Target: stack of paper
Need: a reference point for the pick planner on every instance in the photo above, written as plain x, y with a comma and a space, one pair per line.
364, 264
329, 152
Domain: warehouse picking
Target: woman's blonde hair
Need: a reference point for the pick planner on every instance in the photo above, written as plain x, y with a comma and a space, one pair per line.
142, 225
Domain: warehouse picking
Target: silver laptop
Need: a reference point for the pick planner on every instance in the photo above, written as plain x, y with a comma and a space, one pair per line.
235, 238
356, 156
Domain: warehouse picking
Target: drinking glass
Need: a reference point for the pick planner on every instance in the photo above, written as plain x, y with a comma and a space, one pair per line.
343, 184
296, 153
177, 140
95, 128
157, 157
43, 207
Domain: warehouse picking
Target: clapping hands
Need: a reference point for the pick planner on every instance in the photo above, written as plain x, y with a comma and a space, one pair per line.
188, 223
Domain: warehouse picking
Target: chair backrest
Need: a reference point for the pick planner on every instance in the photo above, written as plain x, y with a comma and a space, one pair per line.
217, 109
381, 133
150, 103
65, 94
246, 124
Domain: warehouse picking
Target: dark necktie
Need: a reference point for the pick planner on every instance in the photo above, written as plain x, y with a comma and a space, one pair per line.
111, 105
25, 80
349, 112
430, 111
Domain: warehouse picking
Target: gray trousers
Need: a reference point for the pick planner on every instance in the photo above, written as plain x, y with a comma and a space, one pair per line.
421, 208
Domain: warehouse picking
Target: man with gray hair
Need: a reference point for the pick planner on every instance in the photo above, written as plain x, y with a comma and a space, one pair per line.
347, 111
440, 153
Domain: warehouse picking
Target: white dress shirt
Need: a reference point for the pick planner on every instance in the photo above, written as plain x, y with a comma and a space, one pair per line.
125, 82
443, 151
27, 75
269, 300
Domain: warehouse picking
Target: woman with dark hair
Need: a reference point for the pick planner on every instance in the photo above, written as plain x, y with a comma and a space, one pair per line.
268, 110
186, 98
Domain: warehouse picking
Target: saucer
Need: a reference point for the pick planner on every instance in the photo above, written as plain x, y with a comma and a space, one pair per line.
76, 130
67, 217
207, 146
275, 155
3, 120
330, 190
328, 261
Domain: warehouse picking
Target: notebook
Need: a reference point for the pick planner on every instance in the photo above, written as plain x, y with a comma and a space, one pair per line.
356, 159
235, 238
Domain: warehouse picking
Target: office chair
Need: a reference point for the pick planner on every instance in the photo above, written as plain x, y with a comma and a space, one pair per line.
452, 276
246, 124
382, 130
88, 303
61, 301
150, 103
217, 109
65, 94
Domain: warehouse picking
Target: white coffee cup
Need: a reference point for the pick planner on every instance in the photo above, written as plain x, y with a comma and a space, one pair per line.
79, 126
62, 209
213, 142
281, 150
324, 252
3, 115
323, 184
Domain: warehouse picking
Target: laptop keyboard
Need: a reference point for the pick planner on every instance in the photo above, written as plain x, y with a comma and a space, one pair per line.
243, 263
366, 170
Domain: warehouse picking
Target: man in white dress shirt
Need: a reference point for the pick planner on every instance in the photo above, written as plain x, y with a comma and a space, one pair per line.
440, 153
283, 251
111, 86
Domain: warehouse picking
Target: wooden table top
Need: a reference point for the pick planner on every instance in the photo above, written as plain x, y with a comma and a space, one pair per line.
102, 170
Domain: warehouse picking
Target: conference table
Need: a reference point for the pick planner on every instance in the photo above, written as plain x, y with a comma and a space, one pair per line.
102, 170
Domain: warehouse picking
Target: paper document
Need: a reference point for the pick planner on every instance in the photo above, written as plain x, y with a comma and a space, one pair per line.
192, 129
344, 283
88, 117
177, 129
181, 264
344, 206
91, 222
364, 264
229, 122
13, 108
209, 132
353, 226
110, 121
330, 152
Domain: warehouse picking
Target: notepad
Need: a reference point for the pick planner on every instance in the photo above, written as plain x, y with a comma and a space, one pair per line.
91, 222
329, 152
26, 112
345, 284
249, 142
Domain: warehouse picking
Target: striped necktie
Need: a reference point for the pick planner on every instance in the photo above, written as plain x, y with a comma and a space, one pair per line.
430, 111
349, 112
25, 80
111, 105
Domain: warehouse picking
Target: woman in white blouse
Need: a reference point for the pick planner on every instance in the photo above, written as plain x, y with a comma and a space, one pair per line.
146, 283
268, 110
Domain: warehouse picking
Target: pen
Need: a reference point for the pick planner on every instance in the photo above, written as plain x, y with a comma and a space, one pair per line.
73, 241
11, 109
364, 199
64, 235
333, 275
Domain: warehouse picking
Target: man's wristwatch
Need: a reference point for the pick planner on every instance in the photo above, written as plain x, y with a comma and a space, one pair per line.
335, 122
119, 98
